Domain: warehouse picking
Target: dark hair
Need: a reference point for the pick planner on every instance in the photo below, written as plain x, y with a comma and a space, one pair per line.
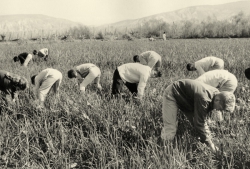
159, 74
34, 52
136, 58
190, 67
16, 59
33, 79
247, 73
71, 73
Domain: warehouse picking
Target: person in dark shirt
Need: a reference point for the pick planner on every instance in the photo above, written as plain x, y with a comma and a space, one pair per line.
24, 58
10, 84
197, 101
247, 73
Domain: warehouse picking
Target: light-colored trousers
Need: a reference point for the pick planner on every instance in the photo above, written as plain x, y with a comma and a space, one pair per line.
169, 114
46, 86
94, 75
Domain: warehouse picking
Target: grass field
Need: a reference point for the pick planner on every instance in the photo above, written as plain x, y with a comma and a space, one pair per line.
118, 132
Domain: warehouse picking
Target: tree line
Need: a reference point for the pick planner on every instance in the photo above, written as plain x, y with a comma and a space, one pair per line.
236, 27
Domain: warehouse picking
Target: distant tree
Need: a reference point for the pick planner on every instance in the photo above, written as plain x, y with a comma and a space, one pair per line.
225, 29
153, 33
127, 36
174, 31
241, 24
99, 35
3, 37
237, 19
80, 30
238, 26
186, 29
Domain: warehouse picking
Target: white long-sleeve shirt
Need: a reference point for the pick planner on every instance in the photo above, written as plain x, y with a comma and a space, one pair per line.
164, 36
135, 73
44, 74
149, 56
83, 69
89, 72
220, 79
27, 60
208, 63
44, 51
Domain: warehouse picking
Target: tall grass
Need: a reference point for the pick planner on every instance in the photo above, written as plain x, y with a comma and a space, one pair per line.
118, 133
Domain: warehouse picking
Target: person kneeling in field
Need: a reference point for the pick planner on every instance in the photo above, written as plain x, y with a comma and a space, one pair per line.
206, 64
24, 58
197, 101
151, 58
43, 82
220, 79
43, 53
85, 74
134, 76
10, 84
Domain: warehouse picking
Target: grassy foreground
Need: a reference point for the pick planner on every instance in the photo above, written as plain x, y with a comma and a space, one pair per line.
117, 133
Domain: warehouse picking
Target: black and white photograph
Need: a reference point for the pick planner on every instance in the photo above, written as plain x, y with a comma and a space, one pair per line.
124, 84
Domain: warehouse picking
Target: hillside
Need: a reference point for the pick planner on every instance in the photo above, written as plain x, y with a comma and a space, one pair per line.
17, 23
195, 13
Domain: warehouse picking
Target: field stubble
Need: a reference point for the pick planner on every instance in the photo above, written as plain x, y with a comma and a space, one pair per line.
118, 133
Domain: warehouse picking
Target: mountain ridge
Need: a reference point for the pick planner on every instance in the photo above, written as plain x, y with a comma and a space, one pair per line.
31, 22
193, 13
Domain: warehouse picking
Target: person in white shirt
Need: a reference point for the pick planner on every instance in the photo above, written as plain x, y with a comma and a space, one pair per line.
24, 58
85, 74
43, 53
134, 76
44, 81
151, 58
164, 36
206, 64
220, 79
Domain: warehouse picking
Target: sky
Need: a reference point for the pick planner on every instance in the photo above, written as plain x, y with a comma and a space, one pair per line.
99, 12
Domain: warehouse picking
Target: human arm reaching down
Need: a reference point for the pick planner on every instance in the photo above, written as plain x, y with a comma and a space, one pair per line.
199, 69
141, 85
200, 114
27, 60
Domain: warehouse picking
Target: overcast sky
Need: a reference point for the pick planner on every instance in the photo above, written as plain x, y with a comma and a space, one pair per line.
98, 12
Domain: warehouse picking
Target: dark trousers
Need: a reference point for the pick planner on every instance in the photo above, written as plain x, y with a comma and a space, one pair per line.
118, 83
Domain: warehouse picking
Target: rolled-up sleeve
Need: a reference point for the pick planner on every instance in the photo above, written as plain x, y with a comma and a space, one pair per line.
200, 114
